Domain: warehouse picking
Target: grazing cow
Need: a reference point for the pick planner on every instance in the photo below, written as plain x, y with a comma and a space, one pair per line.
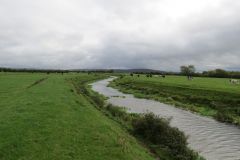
234, 81
159, 76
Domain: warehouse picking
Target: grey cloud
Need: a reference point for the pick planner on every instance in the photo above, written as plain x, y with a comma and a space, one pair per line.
120, 34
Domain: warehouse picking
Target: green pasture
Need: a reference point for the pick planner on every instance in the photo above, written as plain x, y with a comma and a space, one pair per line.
43, 118
215, 97
215, 84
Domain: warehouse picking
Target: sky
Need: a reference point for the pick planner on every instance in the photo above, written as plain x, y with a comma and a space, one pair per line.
126, 34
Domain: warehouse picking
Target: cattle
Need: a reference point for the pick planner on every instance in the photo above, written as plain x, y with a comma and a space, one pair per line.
161, 76
234, 81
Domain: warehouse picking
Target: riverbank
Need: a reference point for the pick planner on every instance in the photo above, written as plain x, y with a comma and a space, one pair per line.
50, 120
212, 97
165, 141
212, 139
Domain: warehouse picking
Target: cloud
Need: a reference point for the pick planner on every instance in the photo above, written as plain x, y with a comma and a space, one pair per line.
157, 34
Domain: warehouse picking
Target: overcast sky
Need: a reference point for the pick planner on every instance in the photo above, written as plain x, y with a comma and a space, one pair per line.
156, 34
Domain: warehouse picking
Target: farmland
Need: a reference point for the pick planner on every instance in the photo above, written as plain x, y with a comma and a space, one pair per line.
214, 97
43, 117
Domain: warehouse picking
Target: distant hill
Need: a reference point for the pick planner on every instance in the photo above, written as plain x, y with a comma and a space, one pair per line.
123, 70
138, 71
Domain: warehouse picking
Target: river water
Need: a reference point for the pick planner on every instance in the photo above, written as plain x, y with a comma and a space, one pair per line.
213, 140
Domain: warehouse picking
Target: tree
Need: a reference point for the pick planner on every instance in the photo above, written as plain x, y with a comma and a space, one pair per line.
221, 73
191, 69
188, 71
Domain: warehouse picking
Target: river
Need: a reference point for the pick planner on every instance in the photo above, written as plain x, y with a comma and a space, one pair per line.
213, 140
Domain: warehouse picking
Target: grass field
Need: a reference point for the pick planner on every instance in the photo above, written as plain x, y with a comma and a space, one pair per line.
214, 97
43, 118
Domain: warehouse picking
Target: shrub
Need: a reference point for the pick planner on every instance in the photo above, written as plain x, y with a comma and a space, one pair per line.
224, 116
116, 111
98, 100
157, 131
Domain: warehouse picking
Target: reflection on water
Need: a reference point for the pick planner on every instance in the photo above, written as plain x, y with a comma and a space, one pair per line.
212, 139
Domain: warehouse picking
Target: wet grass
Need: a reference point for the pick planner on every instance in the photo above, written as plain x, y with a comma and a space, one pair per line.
214, 97
52, 120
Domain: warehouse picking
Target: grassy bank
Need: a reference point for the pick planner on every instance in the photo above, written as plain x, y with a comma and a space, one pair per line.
166, 142
43, 117
214, 97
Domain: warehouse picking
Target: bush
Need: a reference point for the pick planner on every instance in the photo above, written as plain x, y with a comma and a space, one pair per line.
224, 116
116, 111
98, 100
157, 131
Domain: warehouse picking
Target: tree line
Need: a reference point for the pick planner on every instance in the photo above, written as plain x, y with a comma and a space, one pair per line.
189, 71
33, 70
220, 73
217, 73
2, 69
